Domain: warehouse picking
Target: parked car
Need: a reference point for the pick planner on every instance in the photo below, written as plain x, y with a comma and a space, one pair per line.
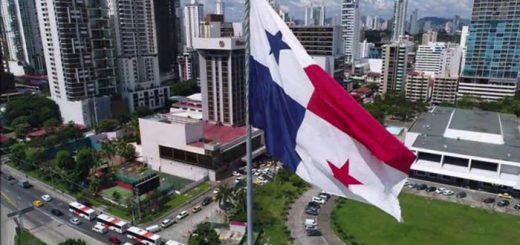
421, 187
313, 232
489, 200
431, 189
74, 221
47, 198
114, 240
517, 206
505, 196
461, 194
310, 222
167, 223
318, 200
24, 184
503, 203
196, 209
235, 173
10, 177
56, 212
313, 204
206, 201
440, 190
311, 211
324, 195
37, 203
448, 192
182, 214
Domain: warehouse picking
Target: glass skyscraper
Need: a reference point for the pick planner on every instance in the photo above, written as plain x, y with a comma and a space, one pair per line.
492, 64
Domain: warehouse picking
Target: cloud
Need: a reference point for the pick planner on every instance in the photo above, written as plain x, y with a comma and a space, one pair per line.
382, 8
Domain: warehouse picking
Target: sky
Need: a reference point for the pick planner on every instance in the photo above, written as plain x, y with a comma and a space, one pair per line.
382, 8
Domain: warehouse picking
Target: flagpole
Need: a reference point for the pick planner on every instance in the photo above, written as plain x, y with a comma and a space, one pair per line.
248, 126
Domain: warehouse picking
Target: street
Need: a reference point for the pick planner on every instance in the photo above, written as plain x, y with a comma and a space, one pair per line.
44, 225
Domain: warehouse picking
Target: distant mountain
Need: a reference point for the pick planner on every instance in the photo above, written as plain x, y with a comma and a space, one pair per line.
439, 21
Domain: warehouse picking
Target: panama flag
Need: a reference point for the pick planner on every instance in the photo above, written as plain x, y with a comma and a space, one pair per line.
314, 126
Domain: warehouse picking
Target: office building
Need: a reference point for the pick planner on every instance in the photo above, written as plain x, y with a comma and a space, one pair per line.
463, 44
429, 37
187, 63
136, 50
417, 87
314, 15
365, 48
475, 149
325, 45
168, 32
428, 57
193, 15
22, 36
350, 21
395, 67
221, 67
79, 55
398, 26
413, 23
491, 68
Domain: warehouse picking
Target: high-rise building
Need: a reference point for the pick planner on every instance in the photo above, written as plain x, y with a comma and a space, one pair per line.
491, 69
23, 35
222, 82
79, 55
463, 44
219, 7
444, 89
187, 64
325, 45
350, 20
369, 23
395, 67
414, 25
365, 49
315, 15
168, 30
136, 50
193, 15
428, 57
399, 26
429, 37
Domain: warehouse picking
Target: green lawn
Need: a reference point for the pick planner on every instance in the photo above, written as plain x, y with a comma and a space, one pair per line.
426, 222
26, 238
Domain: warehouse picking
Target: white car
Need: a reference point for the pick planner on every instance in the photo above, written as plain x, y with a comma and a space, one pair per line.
46, 198
74, 221
235, 173
448, 192
216, 191
166, 223
318, 200
182, 215
440, 190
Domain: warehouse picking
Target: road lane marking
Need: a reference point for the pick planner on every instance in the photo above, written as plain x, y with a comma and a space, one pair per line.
8, 199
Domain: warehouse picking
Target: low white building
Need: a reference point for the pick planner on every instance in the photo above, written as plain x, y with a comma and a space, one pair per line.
476, 149
180, 143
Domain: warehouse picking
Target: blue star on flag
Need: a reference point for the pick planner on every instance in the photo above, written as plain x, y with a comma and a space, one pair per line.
277, 44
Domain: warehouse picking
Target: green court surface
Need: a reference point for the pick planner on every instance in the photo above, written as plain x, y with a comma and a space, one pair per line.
109, 193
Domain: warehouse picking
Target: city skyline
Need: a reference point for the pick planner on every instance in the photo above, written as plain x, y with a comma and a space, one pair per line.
381, 8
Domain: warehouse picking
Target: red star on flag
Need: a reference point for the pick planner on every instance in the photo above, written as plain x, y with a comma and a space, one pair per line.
342, 174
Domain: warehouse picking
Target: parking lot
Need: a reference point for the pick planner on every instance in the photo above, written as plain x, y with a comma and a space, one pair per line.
472, 198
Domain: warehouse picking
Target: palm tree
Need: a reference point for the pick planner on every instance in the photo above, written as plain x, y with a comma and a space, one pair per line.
224, 198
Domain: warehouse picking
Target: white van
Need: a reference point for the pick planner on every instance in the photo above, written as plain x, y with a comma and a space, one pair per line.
318, 200
153, 228
100, 229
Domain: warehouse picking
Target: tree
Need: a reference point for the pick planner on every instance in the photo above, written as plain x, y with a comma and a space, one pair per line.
204, 235
107, 125
64, 161
126, 150
73, 242
18, 155
85, 161
116, 195
21, 130
51, 123
143, 111
185, 88
69, 132
37, 108
34, 156
20, 120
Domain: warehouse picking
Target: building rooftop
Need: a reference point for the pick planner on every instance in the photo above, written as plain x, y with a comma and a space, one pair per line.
469, 132
220, 134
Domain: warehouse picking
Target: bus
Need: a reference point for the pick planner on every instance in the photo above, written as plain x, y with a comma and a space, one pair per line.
82, 211
143, 236
112, 223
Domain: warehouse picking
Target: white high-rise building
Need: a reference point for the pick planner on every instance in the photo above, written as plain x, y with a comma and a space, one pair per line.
77, 43
369, 23
219, 7
133, 22
398, 27
463, 44
22, 36
193, 15
350, 20
314, 15
441, 59
414, 25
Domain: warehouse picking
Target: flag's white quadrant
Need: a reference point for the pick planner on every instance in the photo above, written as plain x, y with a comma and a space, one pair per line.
313, 125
